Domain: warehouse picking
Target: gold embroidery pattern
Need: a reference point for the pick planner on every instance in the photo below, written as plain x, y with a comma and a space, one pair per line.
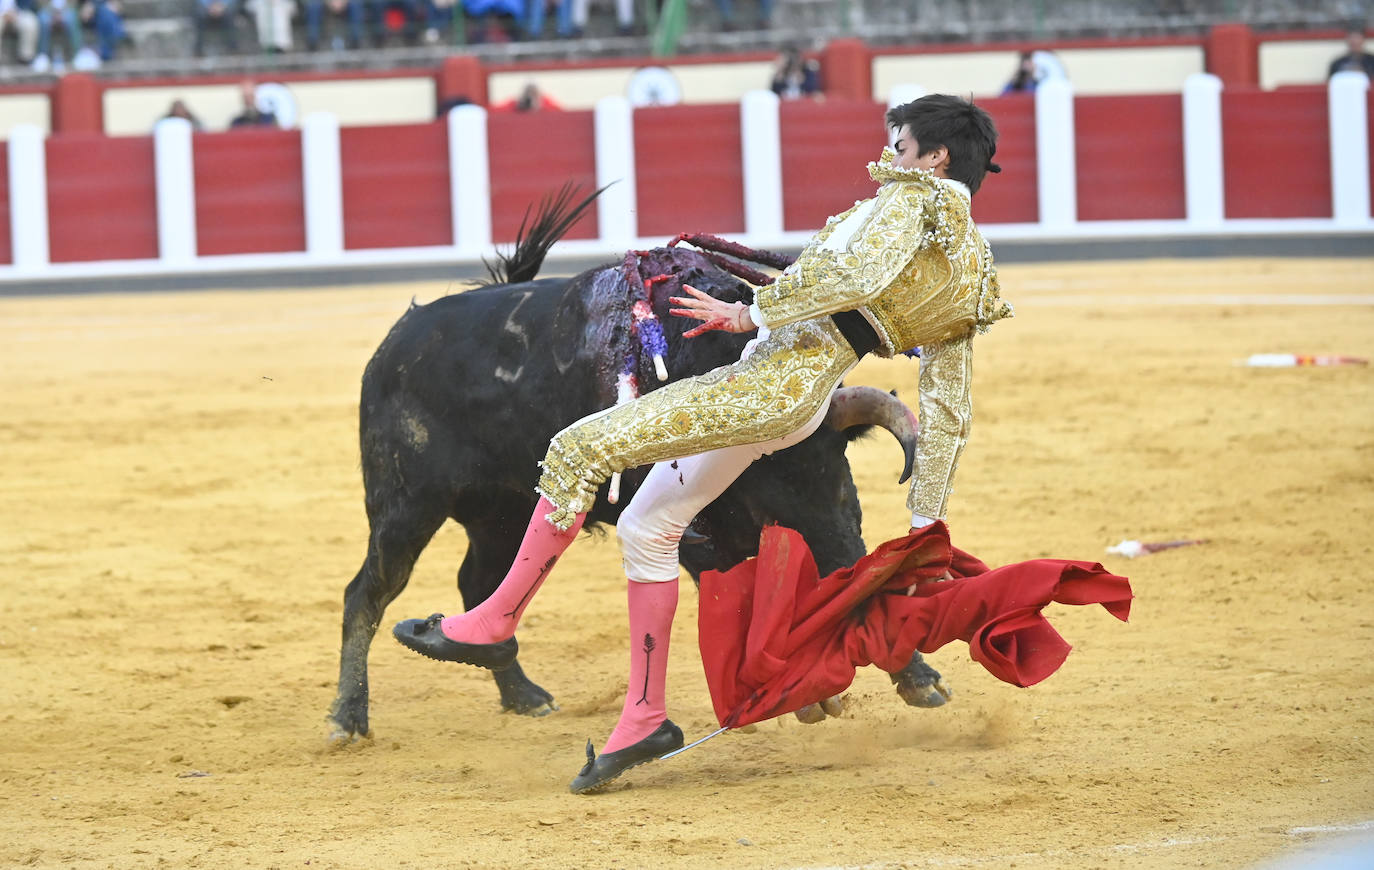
775, 391
946, 416
824, 282
918, 264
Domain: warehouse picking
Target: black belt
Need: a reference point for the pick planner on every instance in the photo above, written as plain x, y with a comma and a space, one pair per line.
857, 331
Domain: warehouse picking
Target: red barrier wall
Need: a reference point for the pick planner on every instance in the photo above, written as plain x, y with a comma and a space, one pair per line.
1010, 197
395, 186
826, 147
687, 167
1276, 150
6, 244
532, 154
250, 197
102, 199
1129, 153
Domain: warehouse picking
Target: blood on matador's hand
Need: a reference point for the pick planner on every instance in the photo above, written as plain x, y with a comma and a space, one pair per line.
714, 314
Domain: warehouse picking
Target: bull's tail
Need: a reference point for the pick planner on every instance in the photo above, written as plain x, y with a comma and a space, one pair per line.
556, 215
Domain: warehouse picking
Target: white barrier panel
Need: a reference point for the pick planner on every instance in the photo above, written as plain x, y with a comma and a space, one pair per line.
175, 175
616, 208
761, 143
322, 171
615, 162
28, 199
469, 178
1056, 162
1348, 114
1204, 186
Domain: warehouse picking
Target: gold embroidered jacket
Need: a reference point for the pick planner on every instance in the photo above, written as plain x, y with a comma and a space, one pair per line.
913, 262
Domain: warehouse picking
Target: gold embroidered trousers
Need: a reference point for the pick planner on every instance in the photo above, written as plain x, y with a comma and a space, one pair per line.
772, 392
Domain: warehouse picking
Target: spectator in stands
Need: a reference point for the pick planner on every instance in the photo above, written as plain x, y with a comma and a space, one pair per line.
535, 12
498, 20
1355, 58
439, 17
179, 109
252, 116
727, 14
572, 17
794, 76
531, 99
220, 14
348, 10
273, 20
1023, 81
19, 16
56, 15
387, 17
107, 19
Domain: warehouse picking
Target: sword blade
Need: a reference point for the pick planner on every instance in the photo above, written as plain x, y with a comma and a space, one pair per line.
690, 745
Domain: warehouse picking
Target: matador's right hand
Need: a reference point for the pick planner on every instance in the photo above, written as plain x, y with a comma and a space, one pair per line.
714, 314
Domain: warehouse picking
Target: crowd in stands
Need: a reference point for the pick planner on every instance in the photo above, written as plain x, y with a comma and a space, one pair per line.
51, 34
350, 24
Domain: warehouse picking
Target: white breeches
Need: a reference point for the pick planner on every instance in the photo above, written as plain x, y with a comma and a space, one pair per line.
676, 491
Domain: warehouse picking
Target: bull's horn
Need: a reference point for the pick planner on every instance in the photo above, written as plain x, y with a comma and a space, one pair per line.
870, 406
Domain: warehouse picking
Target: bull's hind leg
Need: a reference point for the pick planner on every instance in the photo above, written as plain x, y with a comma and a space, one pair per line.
920, 685
493, 542
398, 536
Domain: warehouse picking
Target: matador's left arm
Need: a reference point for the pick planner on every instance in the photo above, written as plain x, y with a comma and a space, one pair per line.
946, 411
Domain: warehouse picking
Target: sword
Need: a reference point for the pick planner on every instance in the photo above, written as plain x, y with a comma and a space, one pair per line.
690, 745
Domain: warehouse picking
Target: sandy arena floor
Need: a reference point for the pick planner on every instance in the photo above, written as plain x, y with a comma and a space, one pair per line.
182, 509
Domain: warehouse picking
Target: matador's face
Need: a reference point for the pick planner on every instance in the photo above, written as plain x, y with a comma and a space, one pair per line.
909, 154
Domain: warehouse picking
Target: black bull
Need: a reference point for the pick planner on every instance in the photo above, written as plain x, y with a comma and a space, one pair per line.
458, 406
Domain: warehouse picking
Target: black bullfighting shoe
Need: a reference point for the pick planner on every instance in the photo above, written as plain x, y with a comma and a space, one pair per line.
600, 770
426, 638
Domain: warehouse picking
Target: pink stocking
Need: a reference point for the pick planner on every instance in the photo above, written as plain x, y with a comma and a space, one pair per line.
495, 619
651, 621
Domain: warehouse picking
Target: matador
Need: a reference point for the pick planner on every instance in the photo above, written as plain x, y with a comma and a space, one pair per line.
903, 269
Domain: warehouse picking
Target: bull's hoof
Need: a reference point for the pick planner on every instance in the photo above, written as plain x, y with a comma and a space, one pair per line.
920, 685
520, 695
601, 770
818, 712
537, 706
426, 638
347, 722
342, 735
934, 694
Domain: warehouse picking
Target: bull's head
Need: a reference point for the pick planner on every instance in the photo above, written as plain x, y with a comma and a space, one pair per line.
808, 488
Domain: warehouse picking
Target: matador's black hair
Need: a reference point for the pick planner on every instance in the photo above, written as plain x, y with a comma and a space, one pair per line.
957, 124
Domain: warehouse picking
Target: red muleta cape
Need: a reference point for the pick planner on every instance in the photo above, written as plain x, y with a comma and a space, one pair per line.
775, 636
